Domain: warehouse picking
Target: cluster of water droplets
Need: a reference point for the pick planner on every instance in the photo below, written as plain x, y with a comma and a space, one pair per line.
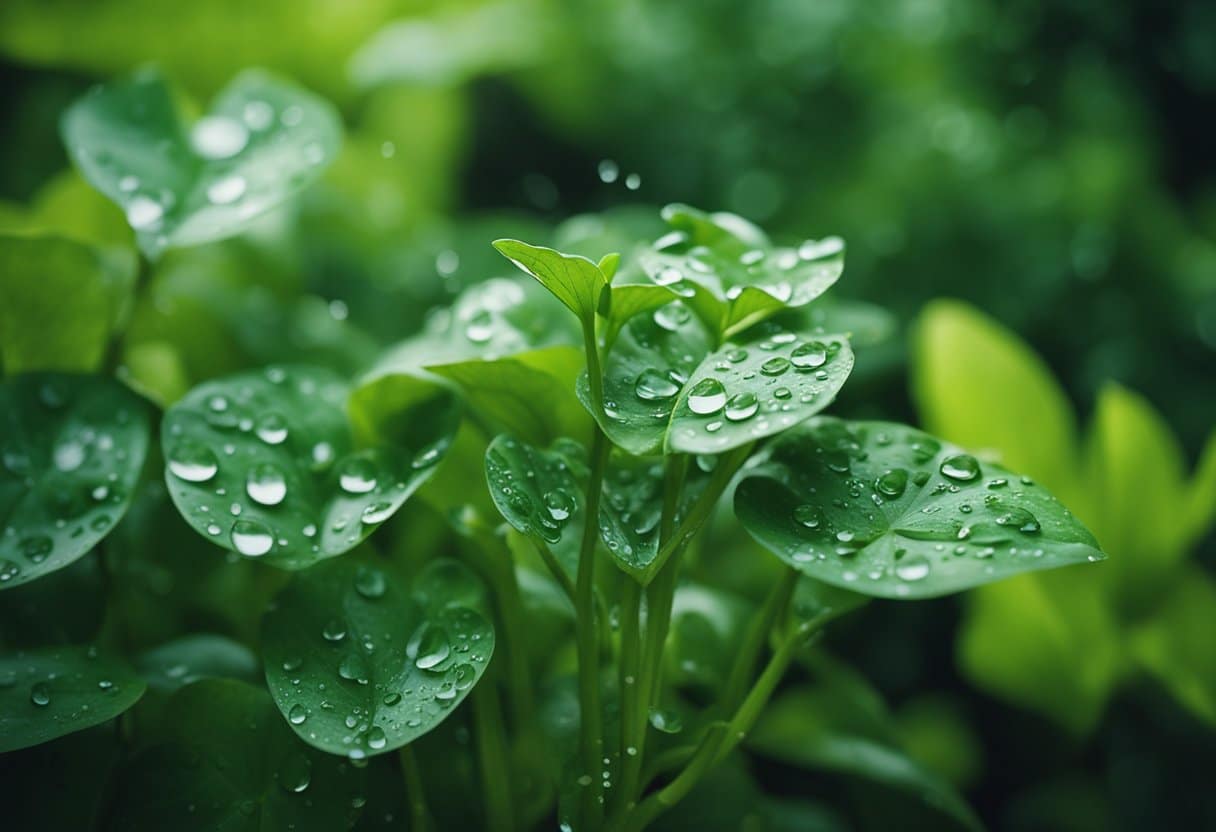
59, 687
535, 490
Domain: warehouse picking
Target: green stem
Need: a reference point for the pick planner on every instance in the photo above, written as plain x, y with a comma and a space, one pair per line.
633, 714
420, 815
555, 568
492, 756
756, 638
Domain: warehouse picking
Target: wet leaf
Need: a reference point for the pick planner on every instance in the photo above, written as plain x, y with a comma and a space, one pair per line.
71, 449
181, 183
575, 281
885, 510
359, 666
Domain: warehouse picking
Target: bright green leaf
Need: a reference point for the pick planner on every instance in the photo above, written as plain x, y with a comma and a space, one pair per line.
885, 510
629, 300
756, 388
575, 281
264, 464
377, 666
54, 691
1202, 492
183, 184
71, 450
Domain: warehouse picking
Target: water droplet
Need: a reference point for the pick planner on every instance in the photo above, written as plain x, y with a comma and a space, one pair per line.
226, 190
707, 396
266, 484
8, 570
655, 385
809, 516
608, 171
69, 455
672, 316
271, 429
144, 213
37, 549
295, 773
892, 483
428, 647
40, 694
218, 137
376, 738
358, 476
775, 366
742, 406
1019, 518
668, 722
914, 568
353, 667
809, 355
377, 512
559, 504
334, 631
251, 538
962, 467
192, 461
480, 327
297, 714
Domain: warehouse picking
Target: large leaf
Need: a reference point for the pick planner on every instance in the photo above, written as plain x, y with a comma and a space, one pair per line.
226, 761
54, 691
540, 492
730, 274
644, 372
60, 301
886, 510
756, 388
71, 449
264, 464
575, 281
359, 666
183, 184
978, 385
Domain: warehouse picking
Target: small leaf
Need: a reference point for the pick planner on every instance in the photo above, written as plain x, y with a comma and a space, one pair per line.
264, 464
575, 281
757, 388
226, 761
885, 510
54, 691
540, 492
60, 302
643, 374
376, 667
629, 300
183, 184
71, 449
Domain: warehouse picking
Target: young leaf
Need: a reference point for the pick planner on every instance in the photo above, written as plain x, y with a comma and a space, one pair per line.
226, 761
72, 448
626, 301
540, 492
885, 510
730, 275
643, 375
575, 281
53, 691
263, 464
60, 301
757, 388
360, 667
183, 184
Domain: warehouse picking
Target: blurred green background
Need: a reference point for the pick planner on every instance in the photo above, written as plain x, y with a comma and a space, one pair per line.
1047, 163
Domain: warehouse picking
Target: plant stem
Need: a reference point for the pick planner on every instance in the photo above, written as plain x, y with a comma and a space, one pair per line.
555, 568
756, 638
420, 816
492, 756
633, 714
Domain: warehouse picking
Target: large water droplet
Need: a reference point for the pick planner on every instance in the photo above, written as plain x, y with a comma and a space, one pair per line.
376, 738
707, 396
226, 190
775, 366
266, 484
480, 327
40, 694
358, 476
192, 461
810, 355
144, 213
38, 548
295, 773
377, 512
1018, 518
353, 667
655, 385
558, 504
271, 429
297, 714
808, 516
962, 467
672, 316
218, 137
428, 647
251, 538
892, 483
370, 582
912, 568
742, 406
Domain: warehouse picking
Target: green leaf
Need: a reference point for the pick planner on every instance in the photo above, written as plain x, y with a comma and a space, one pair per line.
707, 628
756, 388
359, 667
626, 301
977, 384
1202, 492
54, 691
183, 184
816, 600
190, 658
540, 492
264, 464
729, 273
60, 302
575, 281
71, 449
889, 511
226, 761
643, 375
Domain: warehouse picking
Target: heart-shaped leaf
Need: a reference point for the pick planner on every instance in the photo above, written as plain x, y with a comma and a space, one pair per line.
54, 691
540, 492
757, 388
183, 184
575, 281
729, 273
226, 761
643, 375
264, 464
886, 510
359, 667
71, 449
60, 300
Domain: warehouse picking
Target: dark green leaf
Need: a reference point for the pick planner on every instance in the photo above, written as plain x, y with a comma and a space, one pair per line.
71, 449
359, 667
183, 184
198, 656
885, 510
54, 691
575, 281
757, 388
264, 464
60, 302
227, 761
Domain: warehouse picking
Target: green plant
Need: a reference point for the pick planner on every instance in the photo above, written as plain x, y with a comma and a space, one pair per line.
340, 581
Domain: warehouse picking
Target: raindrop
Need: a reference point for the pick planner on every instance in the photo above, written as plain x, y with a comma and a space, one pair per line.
808, 516
962, 467
672, 316
353, 667
227, 190
144, 213
810, 355
266, 484
334, 631
559, 504
775, 366
892, 483
36, 549
377, 512
272, 429
706, 397
376, 739
251, 538
40, 694
295, 773
480, 327
428, 647
370, 582
297, 714
358, 476
192, 461
914, 568
742, 406
655, 385
218, 137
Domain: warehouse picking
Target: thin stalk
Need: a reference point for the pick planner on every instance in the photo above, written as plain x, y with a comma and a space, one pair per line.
633, 712
756, 638
555, 568
492, 758
415, 796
